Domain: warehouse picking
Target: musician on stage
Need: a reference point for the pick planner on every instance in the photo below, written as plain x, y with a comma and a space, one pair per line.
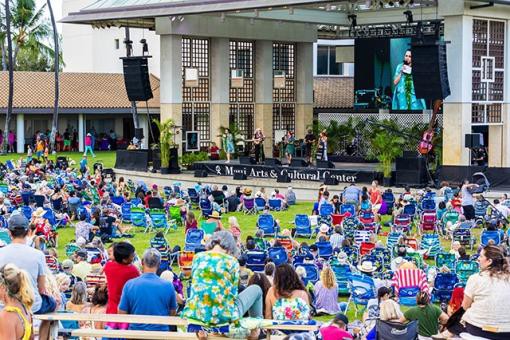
309, 141
404, 96
258, 141
322, 147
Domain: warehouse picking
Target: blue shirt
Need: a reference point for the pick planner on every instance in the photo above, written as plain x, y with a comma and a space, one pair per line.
352, 193
148, 295
83, 163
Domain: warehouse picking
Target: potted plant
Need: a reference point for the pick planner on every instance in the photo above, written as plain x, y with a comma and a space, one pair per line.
166, 141
386, 147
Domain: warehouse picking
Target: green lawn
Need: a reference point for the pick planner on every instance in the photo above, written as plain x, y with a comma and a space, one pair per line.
105, 157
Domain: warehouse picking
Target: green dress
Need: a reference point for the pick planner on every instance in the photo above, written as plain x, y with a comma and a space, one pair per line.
404, 96
290, 148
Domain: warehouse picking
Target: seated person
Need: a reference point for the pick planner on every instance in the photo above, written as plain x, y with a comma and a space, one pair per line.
233, 202
217, 195
290, 197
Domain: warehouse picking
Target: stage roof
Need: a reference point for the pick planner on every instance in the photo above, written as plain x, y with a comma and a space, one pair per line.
329, 16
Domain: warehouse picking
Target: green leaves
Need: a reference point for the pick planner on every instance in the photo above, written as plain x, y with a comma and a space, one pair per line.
166, 139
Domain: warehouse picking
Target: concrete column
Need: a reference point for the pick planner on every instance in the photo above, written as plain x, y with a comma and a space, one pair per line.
505, 162
171, 81
220, 87
457, 108
20, 133
304, 78
495, 146
264, 92
81, 132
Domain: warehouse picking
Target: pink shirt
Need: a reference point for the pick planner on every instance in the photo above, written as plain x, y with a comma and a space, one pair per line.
11, 137
334, 333
88, 141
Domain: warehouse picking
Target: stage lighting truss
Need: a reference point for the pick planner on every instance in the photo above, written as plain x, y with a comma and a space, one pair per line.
399, 30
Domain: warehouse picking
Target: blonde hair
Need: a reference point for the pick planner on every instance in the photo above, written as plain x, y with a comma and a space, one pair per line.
232, 220
389, 310
17, 283
328, 278
52, 286
63, 279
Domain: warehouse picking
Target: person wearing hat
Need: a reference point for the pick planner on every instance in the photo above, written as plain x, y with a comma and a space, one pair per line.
89, 145
33, 262
215, 217
82, 268
323, 232
337, 329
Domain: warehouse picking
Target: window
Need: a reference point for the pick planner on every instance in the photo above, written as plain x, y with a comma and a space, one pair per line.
326, 61
117, 44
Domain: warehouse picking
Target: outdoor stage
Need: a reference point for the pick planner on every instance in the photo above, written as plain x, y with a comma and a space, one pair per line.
344, 172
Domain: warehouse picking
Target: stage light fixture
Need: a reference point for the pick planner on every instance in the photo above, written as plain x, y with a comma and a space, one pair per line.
353, 18
401, 2
145, 47
181, 18
409, 16
222, 17
173, 19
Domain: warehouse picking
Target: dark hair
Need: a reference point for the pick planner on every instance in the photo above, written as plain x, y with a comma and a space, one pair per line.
242, 261
499, 266
261, 280
269, 268
442, 205
18, 232
286, 281
123, 251
496, 201
364, 197
100, 296
325, 193
462, 251
422, 299
401, 250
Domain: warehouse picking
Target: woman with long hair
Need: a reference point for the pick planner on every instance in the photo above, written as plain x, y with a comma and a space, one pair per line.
261, 280
17, 296
486, 295
326, 292
287, 299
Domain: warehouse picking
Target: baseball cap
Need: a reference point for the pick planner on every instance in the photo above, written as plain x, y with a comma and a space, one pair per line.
18, 222
341, 317
67, 264
82, 253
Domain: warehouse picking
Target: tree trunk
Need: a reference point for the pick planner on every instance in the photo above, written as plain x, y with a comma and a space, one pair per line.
11, 74
54, 123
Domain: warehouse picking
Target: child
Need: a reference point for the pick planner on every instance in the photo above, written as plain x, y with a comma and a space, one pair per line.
29, 154
118, 272
46, 153
83, 165
214, 152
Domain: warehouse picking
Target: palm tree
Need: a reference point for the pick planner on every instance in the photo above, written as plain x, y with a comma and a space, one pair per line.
11, 73
56, 54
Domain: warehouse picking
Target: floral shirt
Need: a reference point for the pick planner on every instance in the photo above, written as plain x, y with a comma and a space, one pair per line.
291, 309
213, 289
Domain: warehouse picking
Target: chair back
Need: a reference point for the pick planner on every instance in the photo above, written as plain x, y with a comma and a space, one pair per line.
397, 331
278, 255
275, 204
256, 260
325, 249
350, 208
208, 227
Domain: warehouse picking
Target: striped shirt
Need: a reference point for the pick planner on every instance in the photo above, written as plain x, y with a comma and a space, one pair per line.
404, 278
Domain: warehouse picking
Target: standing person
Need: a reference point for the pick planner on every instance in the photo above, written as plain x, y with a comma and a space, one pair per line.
88, 145
290, 148
17, 297
11, 139
375, 199
117, 273
485, 297
468, 209
228, 144
322, 147
404, 96
113, 140
309, 141
161, 301
258, 141
67, 140
33, 262
39, 147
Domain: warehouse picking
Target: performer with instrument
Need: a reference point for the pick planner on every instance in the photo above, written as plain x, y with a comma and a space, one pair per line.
426, 145
309, 141
290, 148
258, 140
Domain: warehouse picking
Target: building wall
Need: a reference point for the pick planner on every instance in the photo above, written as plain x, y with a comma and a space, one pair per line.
86, 49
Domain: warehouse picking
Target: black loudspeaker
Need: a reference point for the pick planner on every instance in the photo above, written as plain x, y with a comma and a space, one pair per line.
473, 140
272, 162
200, 173
135, 160
409, 154
139, 134
430, 73
283, 178
239, 176
331, 181
298, 163
246, 160
411, 171
325, 164
136, 78
174, 161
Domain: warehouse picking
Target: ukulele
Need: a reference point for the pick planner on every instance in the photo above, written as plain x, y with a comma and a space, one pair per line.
426, 145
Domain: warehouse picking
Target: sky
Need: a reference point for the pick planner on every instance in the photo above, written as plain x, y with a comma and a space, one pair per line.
57, 10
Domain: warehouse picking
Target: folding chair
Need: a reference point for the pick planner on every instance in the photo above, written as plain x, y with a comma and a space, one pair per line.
325, 249
278, 255
312, 273
208, 227
275, 204
256, 260
267, 224
249, 206
362, 289
303, 226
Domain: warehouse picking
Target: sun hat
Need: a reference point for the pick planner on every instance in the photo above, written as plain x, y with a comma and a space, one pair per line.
39, 212
215, 214
366, 267
324, 228
342, 258
247, 191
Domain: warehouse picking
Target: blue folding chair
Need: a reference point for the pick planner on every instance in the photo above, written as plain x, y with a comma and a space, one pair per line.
428, 205
342, 273
362, 289
118, 200
193, 239
464, 269
325, 249
407, 295
326, 209
205, 207
312, 273
27, 211
488, 235
350, 208
275, 204
444, 283
256, 260
5, 239
278, 255
126, 212
193, 195
303, 226
138, 217
446, 259
260, 204
158, 220
267, 224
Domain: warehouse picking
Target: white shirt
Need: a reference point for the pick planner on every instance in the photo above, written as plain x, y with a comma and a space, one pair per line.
490, 305
503, 209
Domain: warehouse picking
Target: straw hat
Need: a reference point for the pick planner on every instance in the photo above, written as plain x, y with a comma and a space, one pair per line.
247, 191
39, 212
324, 228
215, 214
342, 258
366, 267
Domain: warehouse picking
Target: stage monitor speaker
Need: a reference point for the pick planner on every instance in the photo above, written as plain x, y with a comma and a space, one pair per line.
272, 162
283, 178
331, 181
246, 160
136, 78
325, 164
136, 160
298, 163
430, 73
411, 171
473, 140
200, 173
238, 176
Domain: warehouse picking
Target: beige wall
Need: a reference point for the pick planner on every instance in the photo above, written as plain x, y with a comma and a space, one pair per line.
264, 120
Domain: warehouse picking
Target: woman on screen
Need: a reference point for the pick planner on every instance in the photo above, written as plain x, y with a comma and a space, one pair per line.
404, 97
